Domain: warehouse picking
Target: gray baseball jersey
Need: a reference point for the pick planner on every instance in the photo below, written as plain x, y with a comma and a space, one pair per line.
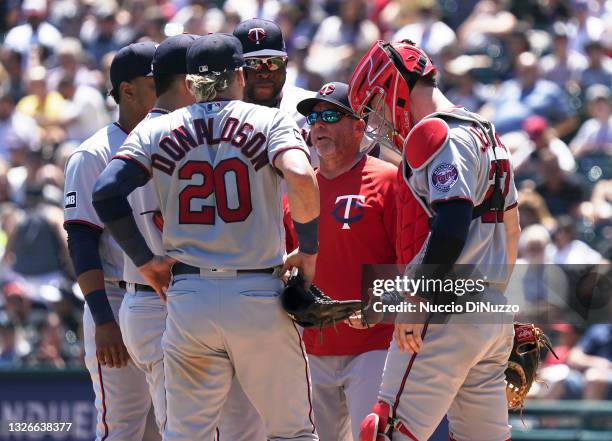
292, 95
463, 167
82, 169
211, 163
148, 218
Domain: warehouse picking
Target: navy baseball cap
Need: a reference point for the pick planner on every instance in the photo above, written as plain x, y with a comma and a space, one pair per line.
335, 93
214, 53
131, 62
171, 54
260, 38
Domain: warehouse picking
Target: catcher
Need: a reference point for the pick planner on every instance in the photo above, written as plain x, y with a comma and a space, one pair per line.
456, 204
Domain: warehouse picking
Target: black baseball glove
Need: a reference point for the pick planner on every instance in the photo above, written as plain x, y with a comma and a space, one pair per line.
524, 362
311, 308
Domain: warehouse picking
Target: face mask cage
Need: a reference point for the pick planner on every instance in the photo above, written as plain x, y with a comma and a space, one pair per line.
380, 131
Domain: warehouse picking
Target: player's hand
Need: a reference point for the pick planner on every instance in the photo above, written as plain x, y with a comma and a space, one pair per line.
305, 263
110, 349
368, 318
408, 336
157, 273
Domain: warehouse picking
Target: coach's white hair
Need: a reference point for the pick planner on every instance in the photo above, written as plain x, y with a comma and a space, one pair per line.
206, 87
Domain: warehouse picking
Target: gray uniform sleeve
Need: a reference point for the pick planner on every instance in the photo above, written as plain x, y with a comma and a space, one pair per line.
82, 170
452, 174
137, 147
284, 135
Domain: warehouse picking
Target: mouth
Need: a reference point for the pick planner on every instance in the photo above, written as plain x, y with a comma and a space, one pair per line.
264, 84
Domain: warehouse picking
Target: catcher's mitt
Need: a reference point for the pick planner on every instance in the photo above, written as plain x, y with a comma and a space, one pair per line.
524, 361
310, 307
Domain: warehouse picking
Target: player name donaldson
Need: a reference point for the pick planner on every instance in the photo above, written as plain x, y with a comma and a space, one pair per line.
449, 308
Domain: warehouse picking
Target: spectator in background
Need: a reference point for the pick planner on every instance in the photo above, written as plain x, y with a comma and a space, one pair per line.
528, 95
70, 63
599, 70
533, 210
593, 357
16, 129
49, 351
339, 39
83, 112
198, 19
426, 29
12, 63
102, 35
44, 105
583, 26
561, 191
463, 85
488, 23
595, 134
526, 160
564, 65
12, 348
266, 9
569, 250
35, 33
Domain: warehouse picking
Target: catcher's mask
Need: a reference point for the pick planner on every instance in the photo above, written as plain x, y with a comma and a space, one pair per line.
380, 88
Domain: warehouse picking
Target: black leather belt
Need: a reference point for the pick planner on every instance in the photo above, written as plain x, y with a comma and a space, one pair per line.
182, 268
137, 287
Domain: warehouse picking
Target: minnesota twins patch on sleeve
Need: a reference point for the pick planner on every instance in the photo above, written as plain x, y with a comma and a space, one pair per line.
444, 176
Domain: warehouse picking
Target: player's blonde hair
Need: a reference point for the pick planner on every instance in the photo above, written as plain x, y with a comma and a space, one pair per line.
206, 87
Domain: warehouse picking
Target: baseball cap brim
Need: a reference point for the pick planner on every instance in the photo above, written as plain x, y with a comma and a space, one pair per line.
305, 106
150, 74
265, 53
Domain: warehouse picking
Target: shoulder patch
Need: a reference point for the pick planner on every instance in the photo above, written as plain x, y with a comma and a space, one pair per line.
444, 176
425, 141
71, 200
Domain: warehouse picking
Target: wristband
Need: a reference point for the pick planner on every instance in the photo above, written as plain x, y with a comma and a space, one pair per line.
99, 307
308, 235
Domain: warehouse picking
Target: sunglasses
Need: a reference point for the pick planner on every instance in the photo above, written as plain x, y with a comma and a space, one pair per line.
328, 116
272, 63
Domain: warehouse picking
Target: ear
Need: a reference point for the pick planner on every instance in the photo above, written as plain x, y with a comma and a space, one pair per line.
240, 77
126, 90
360, 126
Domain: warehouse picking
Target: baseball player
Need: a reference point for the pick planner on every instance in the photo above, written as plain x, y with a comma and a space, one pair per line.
216, 169
143, 314
266, 60
455, 176
357, 227
122, 398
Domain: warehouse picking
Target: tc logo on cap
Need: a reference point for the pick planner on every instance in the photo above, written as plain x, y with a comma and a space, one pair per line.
327, 89
257, 35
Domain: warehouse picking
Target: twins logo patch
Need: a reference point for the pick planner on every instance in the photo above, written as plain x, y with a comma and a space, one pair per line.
444, 177
342, 211
71, 200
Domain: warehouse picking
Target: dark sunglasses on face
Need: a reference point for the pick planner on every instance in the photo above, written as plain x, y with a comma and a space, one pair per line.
272, 63
328, 116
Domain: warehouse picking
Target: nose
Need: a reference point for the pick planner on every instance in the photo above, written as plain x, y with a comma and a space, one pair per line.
263, 74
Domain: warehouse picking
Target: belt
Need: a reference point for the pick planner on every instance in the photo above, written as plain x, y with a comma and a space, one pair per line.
137, 287
182, 268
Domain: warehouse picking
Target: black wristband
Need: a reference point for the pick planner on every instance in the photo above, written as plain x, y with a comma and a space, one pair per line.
308, 235
99, 307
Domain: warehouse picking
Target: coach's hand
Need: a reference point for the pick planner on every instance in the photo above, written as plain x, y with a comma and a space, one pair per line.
110, 350
305, 263
157, 274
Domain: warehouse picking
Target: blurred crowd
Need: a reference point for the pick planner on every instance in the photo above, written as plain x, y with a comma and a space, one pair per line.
541, 70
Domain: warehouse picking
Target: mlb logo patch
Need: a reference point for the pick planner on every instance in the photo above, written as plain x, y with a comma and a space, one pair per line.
71, 200
213, 107
444, 177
